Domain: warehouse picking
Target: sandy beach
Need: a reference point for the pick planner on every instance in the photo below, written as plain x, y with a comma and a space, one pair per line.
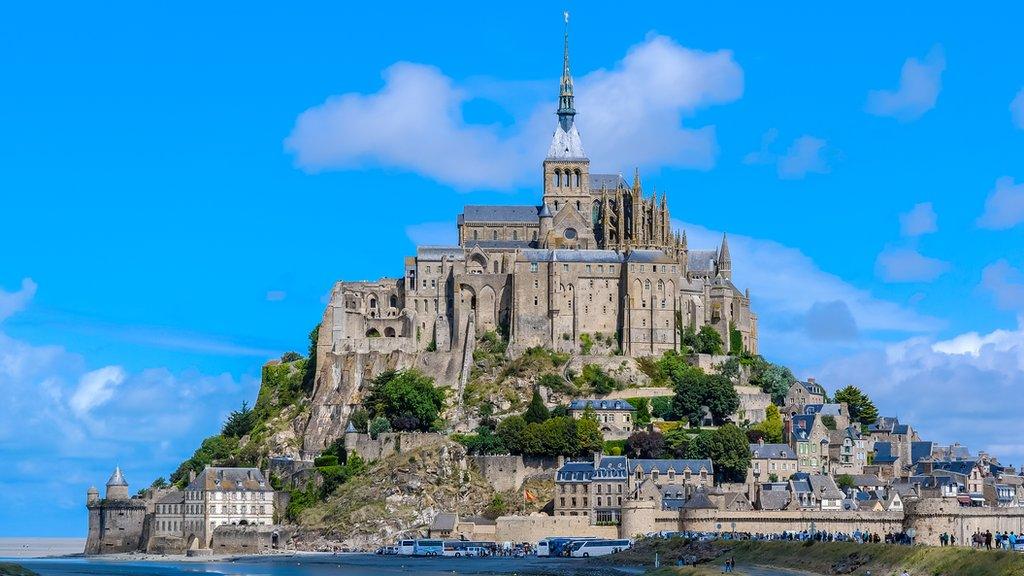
29, 547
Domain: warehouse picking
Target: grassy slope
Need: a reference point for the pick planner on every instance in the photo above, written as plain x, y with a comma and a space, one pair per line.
882, 560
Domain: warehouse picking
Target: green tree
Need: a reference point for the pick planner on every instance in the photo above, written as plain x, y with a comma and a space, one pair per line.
588, 436
771, 378
212, 450
309, 375
730, 369
408, 395
735, 340
159, 483
709, 341
536, 412
688, 337
645, 445
360, 419
512, 432
378, 426
720, 397
240, 422
677, 443
771, 427
290, 357
642, 416
845, 481
596, 378
861, 408
727, 447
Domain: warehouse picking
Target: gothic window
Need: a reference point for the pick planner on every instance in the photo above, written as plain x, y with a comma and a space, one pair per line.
595, 213
476, 235
373, 302
515, 235
556, 178
654, 268
556, 205
577, 178
494, 235
394, 301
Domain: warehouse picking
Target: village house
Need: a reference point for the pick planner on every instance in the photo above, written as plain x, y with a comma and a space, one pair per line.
815, 492
614, 416
809, 438
801, 394
225, 497
771, 462
848, 453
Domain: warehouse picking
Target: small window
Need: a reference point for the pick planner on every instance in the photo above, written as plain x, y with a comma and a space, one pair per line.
476, 234
533, 266
515, 235
494, 235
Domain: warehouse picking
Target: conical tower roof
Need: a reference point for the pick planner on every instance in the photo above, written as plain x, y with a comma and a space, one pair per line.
117, 478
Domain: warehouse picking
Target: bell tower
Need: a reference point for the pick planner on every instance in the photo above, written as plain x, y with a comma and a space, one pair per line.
567, 170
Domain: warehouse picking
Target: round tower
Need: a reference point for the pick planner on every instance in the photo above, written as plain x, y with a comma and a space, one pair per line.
117, 486
92, 496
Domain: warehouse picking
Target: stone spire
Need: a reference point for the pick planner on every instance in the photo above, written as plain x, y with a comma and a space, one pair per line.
566, 111
724, 259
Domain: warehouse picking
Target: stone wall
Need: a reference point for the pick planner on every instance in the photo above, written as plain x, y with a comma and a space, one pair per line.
249, 539
386, 444
534, 528
507, 472
116, 526
933, 516
772, 522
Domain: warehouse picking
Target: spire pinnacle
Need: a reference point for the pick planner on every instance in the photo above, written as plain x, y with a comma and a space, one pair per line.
566, 111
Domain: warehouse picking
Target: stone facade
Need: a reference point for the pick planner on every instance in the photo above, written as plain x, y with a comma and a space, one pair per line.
598, 255
116, 522
614, 416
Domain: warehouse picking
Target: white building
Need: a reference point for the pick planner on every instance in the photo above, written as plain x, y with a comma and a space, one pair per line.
223, 497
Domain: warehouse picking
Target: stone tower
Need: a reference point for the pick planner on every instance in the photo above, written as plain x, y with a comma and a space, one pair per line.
92, 496
117, 486
567, 172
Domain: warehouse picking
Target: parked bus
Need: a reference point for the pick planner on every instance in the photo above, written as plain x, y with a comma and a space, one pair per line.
587, 548
406, 547
558, 546
428, 548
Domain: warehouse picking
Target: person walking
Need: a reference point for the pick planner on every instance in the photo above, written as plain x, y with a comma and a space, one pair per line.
988, 539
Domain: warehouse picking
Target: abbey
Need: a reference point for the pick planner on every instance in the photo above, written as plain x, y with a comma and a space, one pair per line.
597, 259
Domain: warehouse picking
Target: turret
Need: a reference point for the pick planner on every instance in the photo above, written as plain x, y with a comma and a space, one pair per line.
724, 259
545, 225
92, 496
117, 486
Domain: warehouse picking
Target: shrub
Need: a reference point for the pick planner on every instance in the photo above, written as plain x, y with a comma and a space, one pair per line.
378, 426
586, 344
597, 380
240, 422
555, 383
406, 394
360, 420
290, 357
326, 460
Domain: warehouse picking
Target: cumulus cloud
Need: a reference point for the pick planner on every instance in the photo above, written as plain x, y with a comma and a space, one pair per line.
1005, 283
795, 299
806, 154
66, 424
920, 220
960, 389
1004, 207
902, 264
630, 114
96, 388
11, 302
920, 83
1017, 109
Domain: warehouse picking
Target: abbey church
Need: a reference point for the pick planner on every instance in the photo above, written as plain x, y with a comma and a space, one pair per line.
596, 260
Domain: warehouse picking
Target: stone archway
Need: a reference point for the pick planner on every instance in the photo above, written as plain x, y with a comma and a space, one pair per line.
193, 542
373, 333
389, 332
485, 306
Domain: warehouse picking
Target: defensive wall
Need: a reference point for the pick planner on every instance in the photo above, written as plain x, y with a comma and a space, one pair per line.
507, 472
932, 516
538, 527
388, 443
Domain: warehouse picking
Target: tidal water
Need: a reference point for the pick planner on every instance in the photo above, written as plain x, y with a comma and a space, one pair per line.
330, 565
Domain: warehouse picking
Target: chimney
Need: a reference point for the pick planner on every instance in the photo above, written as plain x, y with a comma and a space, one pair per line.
787, 430
191, 476
760, 441
810, 380
597, 458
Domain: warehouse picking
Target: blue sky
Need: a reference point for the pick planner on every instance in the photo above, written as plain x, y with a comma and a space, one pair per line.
182, 184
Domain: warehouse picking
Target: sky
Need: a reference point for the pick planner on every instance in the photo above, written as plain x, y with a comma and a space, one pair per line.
181, 184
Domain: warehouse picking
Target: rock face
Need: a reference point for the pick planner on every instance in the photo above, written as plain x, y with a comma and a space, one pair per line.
396, 496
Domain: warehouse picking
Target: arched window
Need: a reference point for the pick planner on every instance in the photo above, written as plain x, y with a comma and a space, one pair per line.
373, 302
394, 301
515, 235
556, 178
476, 235
578, 206
577, 178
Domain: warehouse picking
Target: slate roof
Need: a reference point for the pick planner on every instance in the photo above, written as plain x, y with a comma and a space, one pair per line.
513, 213
609, 468
117, 478
953, 452
774, 451
813, 388
919, 451
963, 467
607, 181
229, 480
699, 501
500, 244
566, 145
825, 487
436, 253
802, 426
172, 497
663, 466
883, 453
648, 256
866, 480
774, 499
582, 403
575, 472
701, 260
824, 409
595, 256
444, 521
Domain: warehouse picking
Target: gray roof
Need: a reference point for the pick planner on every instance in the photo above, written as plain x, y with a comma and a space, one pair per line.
699, 501
607, 181
802, 426
444, 521
919, 451
566, 145
581, 404
774, 499
436, 253
813, 388
883, 453
651, 256
172, 497
229, 480
825, 487
773, 451
663, 466
866, 480
518, 214
701, 260
575, 472
824, 409
500, 244
595, 256
117, 478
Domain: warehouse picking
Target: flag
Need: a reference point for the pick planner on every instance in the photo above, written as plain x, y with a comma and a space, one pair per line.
529, 496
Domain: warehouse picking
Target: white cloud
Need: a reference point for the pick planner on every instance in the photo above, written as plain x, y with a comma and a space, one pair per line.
1017, 109
920, 220
1005, 283
920, 83
806, 154
12, 302
803, 156
1004, 207
96, 388
629, 115
433, 234
963, 389
902, 264
276, 295
785, 285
